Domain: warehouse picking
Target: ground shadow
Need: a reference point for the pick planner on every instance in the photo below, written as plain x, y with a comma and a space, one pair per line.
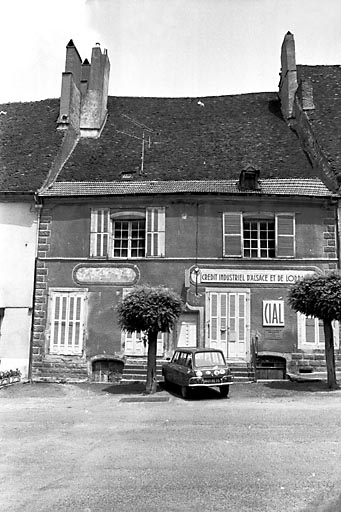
299, 386
194, 393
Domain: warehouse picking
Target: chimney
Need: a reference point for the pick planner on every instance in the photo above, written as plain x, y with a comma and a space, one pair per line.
70, 97
84, 95
288, 80
85, 77
305, 95
94, 104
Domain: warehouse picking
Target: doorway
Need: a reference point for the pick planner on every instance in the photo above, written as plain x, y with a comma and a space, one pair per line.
228, 322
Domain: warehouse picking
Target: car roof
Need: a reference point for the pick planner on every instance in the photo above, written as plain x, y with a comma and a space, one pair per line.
196, 349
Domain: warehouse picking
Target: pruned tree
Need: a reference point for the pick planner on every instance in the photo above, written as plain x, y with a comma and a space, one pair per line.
149, 310
319, 296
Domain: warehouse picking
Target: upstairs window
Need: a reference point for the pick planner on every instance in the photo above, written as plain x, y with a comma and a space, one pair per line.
259, 236
127, 234
129, 238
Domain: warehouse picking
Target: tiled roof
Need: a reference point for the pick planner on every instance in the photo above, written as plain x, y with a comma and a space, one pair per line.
279, 187
190, 139
29, 142
186, 139
326, 118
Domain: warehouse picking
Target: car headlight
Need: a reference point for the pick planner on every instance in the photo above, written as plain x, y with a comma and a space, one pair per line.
198, 373
222, 372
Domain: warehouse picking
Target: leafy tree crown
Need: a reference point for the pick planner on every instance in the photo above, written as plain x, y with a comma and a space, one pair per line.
318, 296
149, 309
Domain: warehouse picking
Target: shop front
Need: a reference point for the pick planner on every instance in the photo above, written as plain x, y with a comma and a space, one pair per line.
246, 309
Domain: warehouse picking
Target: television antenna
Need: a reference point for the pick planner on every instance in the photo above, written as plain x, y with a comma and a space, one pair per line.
145, 137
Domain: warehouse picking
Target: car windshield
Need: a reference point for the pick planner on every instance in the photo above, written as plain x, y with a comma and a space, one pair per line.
208, 359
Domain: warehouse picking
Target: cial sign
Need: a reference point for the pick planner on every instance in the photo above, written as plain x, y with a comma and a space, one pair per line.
273, 313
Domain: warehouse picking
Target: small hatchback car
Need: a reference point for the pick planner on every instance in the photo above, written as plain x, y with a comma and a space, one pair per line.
194, 367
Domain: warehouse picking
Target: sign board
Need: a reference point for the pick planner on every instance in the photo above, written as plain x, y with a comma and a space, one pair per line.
273, 313
252, 276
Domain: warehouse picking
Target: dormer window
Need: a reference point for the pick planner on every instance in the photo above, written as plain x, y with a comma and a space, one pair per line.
249, 179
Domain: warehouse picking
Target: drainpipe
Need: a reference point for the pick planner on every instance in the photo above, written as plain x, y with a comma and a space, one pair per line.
38, 206
338, 232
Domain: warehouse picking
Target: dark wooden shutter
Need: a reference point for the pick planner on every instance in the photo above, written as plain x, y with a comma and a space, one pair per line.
285, 235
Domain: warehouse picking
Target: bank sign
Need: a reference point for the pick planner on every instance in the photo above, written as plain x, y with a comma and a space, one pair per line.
273, 313
235, 276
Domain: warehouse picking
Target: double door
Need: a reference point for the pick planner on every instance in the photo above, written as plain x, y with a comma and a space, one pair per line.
228, 322
135, 345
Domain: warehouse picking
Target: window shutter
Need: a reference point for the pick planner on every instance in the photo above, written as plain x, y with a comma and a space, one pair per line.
155, 231
100, 239
232, 234
67, 322
285, 235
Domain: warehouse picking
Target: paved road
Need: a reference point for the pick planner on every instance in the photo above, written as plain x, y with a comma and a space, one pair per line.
81, 448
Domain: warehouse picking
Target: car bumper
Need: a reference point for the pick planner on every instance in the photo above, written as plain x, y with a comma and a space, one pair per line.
196, 383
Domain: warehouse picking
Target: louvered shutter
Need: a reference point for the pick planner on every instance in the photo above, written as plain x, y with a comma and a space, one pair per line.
155, 231
232, 234
67, 322
285, 235
100, 241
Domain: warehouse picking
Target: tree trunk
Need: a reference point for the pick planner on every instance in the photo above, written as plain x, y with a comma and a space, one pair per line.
329, 351
151, 384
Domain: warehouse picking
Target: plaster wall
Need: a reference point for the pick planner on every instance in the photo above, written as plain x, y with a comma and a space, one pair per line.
194, 235
18, 235
193, 228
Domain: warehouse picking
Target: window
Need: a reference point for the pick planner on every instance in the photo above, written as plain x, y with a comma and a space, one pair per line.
311, 334
67, 321
127, 234
261, 236
129, 238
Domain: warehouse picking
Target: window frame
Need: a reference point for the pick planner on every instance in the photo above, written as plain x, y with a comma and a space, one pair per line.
129, 239
302, 342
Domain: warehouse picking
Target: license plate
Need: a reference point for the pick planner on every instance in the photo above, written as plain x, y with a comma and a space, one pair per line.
212, 381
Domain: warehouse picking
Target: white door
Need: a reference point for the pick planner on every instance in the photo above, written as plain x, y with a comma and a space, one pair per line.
188, 330
135, 346
228, 322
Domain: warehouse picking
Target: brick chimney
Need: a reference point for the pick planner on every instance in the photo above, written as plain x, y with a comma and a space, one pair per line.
70, 98
288, 80
84, 94
305, 95
94, 104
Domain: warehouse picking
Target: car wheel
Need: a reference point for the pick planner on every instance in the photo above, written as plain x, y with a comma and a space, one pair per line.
224, 391
184, 391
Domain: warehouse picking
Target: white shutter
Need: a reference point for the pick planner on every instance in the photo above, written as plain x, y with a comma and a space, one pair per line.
155, 231
285, 235
101, 236
67, 322
232, 234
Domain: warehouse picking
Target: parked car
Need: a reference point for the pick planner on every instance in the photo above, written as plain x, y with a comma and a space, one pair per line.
194, 367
